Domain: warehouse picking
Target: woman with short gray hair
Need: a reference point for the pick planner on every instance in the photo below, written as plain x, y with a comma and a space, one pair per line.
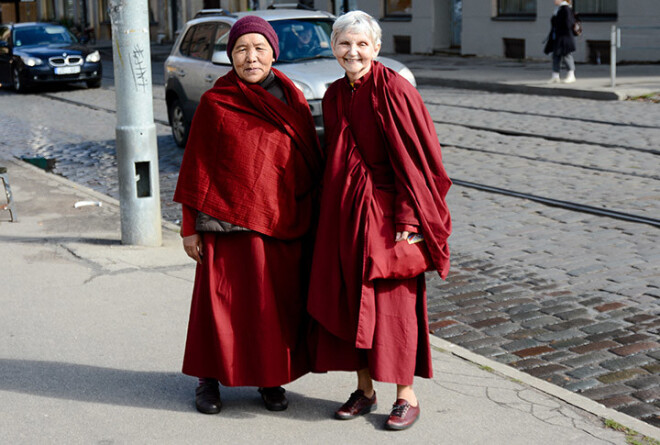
383, 222
357, 23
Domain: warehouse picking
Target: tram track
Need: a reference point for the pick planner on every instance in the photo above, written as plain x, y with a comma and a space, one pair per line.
516, 133
550, 161
567, 205
546, 115
96, 107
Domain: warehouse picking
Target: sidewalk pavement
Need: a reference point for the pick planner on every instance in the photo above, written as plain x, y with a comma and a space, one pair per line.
93, 334
531, 76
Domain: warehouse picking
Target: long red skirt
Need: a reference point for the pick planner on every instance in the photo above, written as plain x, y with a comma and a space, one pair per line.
401, 347
247, 312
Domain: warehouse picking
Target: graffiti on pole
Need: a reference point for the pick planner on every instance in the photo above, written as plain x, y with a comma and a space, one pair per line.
139, 69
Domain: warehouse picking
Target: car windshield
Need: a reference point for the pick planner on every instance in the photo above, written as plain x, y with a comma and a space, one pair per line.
303, 39
43, 35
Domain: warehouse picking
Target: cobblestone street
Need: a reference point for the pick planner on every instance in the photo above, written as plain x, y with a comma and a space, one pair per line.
563, 295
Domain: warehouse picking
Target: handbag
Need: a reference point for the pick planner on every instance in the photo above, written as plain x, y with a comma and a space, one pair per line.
577, 24
385, 258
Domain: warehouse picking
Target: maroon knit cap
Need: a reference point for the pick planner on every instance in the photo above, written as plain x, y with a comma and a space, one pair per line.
253, 24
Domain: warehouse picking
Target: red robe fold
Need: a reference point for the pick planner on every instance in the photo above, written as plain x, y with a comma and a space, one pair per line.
254, 161
341, 299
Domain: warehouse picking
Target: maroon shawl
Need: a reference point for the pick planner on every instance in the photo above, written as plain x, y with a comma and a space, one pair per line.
251, 159
341, 298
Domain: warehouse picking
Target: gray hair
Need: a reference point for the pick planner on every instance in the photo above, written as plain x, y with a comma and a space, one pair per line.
357, 22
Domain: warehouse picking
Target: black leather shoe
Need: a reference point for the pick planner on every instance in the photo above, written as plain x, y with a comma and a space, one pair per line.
207, 397
274, 398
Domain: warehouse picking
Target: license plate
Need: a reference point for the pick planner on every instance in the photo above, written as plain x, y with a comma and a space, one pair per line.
67, 70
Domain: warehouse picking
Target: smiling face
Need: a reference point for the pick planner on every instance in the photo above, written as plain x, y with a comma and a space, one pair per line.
252, 57
355, 52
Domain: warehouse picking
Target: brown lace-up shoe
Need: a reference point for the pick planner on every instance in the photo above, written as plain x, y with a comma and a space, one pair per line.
402, 416
207, 397
358, 404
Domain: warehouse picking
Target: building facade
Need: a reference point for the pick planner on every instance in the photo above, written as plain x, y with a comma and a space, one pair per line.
496, 28
518, 28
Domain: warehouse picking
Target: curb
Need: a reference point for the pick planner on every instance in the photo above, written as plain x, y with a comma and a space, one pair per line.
565, 395
108, 200
521, 89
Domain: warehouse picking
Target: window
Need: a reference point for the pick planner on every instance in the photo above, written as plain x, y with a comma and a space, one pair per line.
221, 37
4, 37
398, 8
202, 40
198, 40
516, 8
596, 8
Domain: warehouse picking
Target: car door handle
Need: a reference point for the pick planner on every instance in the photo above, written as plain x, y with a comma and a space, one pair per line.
209, 78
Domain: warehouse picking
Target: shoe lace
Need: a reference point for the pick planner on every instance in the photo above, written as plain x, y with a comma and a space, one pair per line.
400, 410
355, 396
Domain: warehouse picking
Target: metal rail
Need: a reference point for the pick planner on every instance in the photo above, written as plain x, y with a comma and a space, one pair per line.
573, 206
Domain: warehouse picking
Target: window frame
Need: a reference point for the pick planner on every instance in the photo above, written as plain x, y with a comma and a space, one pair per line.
596, 16
396, 16
210, 40
514, 15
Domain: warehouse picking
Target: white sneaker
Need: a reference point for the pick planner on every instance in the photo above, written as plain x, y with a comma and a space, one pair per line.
554, 78
570, 78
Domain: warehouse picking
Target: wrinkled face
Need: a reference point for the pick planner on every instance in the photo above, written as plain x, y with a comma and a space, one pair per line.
355, 52
252, 57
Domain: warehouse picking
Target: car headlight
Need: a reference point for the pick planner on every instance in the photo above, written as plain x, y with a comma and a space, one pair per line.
93, 57
307, 91
31, 61
405, 72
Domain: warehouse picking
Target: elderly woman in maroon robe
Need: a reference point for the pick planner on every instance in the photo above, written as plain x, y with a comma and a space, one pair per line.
383, 222
247, 185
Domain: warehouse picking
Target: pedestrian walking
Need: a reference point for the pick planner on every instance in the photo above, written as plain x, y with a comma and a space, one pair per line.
247, 185
383, 222
561, 41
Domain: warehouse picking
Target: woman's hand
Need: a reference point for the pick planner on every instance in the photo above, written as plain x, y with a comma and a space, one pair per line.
192, 244
400, 236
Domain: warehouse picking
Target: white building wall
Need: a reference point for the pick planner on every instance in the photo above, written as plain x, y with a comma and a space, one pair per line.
421, 28
483, 34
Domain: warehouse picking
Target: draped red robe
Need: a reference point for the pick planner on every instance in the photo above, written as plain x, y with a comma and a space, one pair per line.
352, 311
251, 160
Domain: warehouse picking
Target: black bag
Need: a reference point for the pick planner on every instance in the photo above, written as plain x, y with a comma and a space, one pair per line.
577, 24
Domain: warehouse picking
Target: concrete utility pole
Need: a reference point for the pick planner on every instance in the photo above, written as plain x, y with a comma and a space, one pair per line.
137, 151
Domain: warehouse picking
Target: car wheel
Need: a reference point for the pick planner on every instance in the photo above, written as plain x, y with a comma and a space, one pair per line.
96, 83
180, 127
19, 86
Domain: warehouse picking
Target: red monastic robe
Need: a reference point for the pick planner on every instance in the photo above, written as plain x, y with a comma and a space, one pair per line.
251, 160
382, 126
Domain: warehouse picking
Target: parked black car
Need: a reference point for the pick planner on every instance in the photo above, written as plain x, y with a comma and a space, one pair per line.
36, 53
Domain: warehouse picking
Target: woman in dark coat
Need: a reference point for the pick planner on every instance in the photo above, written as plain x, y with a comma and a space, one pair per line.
561, 41
247, 185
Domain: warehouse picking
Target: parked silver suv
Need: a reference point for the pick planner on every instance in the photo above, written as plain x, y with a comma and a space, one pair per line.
199, 57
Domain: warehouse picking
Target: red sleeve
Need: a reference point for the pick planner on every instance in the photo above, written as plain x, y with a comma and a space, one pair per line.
189, 216
404, 215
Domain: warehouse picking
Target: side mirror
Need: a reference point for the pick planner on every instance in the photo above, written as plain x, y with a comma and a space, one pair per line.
220, 58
